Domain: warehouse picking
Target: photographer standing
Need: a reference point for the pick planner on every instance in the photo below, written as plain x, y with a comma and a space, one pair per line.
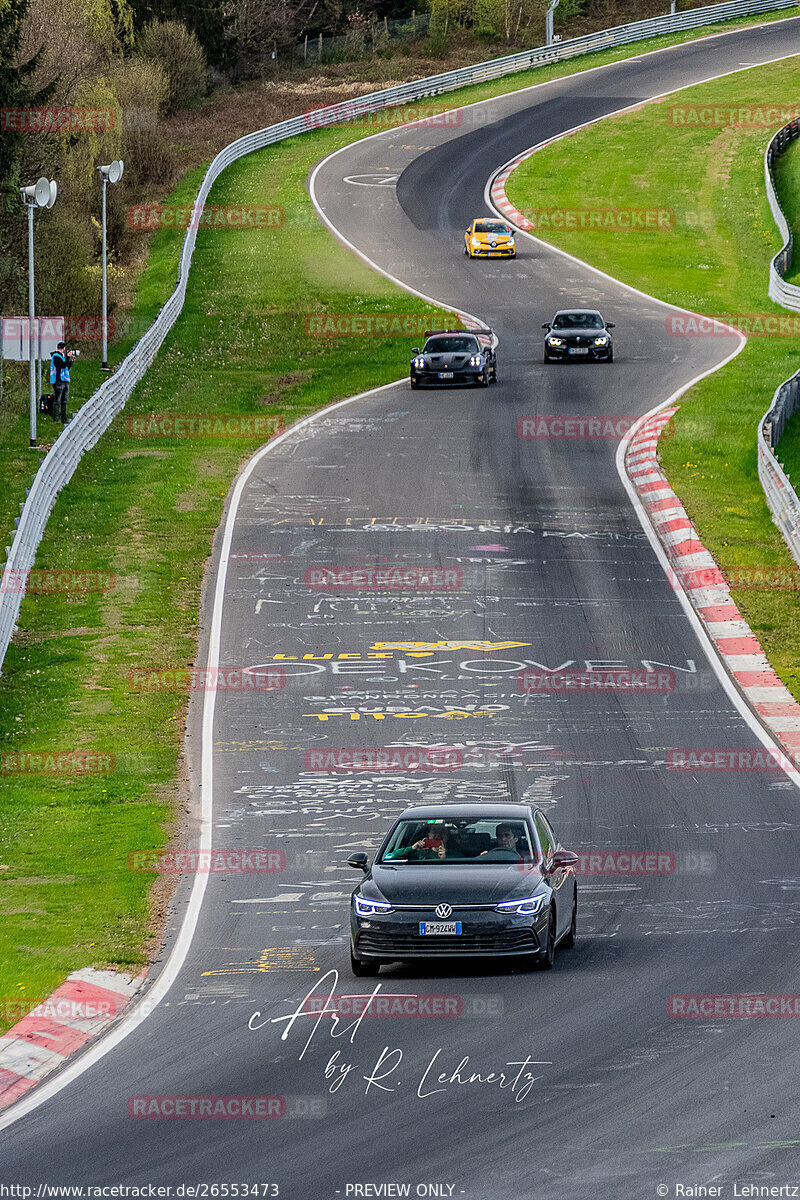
60, 361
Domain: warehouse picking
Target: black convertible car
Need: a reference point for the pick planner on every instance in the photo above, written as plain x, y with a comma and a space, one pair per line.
579, 333
454, 880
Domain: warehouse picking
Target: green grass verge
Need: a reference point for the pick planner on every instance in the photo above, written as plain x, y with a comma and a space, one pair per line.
714, 260
20, 463
145, 512
787, 185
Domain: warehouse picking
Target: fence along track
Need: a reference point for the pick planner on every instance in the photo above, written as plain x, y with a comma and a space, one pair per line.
95, 416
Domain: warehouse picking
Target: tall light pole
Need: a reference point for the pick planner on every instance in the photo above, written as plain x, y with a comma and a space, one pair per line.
41, 194
548, 22
112, 173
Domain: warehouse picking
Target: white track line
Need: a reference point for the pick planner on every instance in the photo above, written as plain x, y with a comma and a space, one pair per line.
710, 648
494, 194
177, 957
174, 963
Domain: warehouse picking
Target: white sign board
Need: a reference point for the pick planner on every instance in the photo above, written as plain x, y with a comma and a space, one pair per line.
47, 333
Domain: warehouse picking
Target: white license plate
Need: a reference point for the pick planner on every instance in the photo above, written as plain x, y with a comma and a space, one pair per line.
446, 374
429, 928
579, 350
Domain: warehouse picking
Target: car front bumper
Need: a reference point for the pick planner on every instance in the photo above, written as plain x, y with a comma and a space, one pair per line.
497, 252
485, 933
431, 378
593, 353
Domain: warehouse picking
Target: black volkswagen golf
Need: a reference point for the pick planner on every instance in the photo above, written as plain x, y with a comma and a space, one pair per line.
473, 880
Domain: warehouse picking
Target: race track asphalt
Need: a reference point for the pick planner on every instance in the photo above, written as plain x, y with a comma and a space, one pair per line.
545, 552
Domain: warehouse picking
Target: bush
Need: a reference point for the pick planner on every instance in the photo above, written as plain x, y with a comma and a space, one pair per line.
435, 46
66, 281
142, 89
179, 54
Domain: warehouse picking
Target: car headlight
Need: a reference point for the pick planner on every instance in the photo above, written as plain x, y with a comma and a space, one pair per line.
601, 341
526, 906
554, 341
475, 360
418, 362
476, 243
370, 908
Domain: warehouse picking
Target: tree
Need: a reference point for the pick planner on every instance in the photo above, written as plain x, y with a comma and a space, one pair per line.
178, 53
17, 90
72, 41
259, 26
208, 19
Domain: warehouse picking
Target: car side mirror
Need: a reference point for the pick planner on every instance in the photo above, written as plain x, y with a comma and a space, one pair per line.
562, 860
416, 350
359, 861
610, 325
546, 325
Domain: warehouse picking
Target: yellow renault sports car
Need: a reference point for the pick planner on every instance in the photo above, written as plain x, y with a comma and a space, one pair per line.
489, 237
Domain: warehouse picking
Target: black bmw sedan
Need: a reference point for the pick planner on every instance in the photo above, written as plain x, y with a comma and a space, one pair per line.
472, 880
578, 333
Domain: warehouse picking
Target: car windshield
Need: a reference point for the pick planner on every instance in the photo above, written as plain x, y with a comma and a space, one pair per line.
482, 842
491, 227
451, 345
578, 320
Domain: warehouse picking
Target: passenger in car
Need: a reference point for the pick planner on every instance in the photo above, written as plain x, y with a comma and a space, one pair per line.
435, 841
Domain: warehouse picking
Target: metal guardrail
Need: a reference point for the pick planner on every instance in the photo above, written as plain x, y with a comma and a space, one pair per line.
780, 291
780, 495
100, 409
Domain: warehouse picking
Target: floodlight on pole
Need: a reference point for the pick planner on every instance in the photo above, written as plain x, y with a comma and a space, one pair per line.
548, 22
110, 173
41, 194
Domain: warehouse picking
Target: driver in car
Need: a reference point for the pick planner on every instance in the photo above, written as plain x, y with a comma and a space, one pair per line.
505, 840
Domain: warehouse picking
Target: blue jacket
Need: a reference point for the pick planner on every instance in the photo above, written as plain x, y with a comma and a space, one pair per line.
59, 367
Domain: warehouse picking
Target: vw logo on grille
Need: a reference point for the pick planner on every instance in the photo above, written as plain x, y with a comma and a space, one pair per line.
444, 910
